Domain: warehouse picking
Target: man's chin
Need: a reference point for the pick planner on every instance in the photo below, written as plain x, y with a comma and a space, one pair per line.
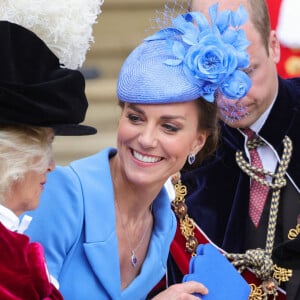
236, 122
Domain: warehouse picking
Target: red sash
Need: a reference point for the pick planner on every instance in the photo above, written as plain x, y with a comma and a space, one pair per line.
182, 257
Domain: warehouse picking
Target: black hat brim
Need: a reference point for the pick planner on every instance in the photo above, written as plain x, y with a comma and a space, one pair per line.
69, 129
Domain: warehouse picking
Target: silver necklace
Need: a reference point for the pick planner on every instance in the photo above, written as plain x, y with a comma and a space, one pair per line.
133, 258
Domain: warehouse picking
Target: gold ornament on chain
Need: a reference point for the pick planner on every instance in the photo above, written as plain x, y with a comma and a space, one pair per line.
294, 232
256, 292
187, 224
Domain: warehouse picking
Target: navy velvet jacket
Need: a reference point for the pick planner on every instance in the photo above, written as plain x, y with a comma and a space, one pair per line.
218, 191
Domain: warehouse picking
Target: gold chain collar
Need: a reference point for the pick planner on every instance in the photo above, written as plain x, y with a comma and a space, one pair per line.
259, 260
186, 223
242, 261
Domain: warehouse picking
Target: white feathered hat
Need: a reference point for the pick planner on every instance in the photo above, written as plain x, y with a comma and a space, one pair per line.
64, 25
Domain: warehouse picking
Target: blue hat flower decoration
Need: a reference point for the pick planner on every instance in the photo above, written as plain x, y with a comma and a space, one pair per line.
194, 58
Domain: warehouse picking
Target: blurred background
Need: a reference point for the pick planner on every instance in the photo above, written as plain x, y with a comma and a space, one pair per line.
121, 26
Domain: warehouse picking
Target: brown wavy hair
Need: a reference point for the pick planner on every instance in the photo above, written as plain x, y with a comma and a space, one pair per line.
208, 121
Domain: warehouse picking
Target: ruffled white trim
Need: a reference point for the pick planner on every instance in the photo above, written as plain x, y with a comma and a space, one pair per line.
64, 25
288, 27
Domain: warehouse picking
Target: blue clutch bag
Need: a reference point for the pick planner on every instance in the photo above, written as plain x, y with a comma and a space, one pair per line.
212, 268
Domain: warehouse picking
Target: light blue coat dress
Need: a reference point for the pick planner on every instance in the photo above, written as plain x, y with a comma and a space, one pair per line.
75, 222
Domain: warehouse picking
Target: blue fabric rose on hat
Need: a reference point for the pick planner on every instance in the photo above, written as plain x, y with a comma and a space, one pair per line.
213, 53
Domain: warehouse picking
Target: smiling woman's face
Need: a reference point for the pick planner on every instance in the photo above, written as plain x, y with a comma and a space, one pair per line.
155, 140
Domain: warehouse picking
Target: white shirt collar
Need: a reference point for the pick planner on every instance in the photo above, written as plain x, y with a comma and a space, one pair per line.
12, 222
258, 124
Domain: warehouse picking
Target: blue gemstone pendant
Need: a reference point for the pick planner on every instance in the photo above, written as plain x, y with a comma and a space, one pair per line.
133, 259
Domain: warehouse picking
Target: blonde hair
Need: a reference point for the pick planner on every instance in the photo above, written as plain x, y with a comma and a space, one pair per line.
22, 149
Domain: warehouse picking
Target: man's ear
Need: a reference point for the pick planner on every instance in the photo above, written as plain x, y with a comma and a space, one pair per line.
274, 46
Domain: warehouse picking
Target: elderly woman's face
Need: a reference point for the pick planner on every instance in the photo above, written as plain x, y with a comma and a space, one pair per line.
25, 193
155, 140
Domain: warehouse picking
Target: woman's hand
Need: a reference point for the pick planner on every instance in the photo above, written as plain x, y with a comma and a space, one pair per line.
182, 291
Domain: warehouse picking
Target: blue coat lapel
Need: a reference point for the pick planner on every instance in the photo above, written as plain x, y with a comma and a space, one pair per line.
100, 240
99, 221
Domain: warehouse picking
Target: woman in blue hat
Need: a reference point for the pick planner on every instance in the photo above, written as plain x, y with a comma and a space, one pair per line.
105, 220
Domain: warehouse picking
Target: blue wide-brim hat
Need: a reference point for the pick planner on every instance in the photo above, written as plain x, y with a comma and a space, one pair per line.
195, 58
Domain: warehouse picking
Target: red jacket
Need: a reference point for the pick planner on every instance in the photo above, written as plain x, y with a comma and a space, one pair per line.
23, 273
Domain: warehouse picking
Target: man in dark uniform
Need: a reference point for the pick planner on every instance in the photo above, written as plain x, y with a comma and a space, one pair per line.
218, 192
